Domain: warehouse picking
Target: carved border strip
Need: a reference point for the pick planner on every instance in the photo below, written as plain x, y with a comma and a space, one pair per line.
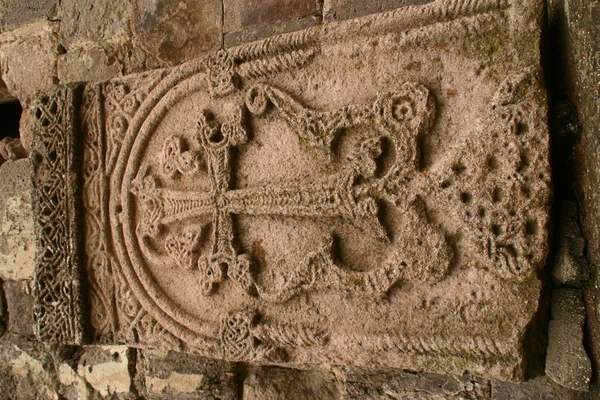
56, 200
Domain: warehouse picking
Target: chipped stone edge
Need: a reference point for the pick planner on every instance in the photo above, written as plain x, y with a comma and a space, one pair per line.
56, 198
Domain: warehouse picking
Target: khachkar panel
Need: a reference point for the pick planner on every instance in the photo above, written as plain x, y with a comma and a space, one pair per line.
373, 192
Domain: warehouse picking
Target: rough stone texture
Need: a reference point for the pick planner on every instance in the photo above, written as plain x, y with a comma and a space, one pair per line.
89, 64
171, 375
253, 34
570, 264
19, 303
176, 31
3, 311
28, 59
12, 149
4, 93
271, 383
244, 14
25, 130
346, 9
362, 384
566, 360
17, 244
538, 388
106, 369
92, 21
26, 370
16, 13
371, 192
579, 20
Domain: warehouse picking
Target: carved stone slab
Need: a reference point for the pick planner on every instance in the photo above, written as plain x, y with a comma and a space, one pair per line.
373, 192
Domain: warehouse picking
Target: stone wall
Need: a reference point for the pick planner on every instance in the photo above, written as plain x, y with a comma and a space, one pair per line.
47, 43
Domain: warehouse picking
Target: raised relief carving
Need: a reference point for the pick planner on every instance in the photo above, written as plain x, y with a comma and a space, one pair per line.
371, 192
57, 288
244, 336
351, 194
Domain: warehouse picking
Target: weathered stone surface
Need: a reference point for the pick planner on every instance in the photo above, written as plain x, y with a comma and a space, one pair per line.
4, 93
17, 244
243, 14
372, 192
363, 384
253, 34
25, 130
19, 303
89, 64
16, 13
26, 370
28, 59
172, 375
92, 21
582, 54
346, 9
538, 388
3, 311
105, 368
12, 149
570, 265
566, 360
177, 31
272, 383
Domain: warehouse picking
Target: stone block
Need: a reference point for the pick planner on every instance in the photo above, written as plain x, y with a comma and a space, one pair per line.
347, 9
26, 370
371, 192
28, 59
177, 31
89, 64
253, 34
570, 264
16, 13
3, 311
173, 375
17, 242
105, 369
19, 304
273, 383
12, 149
538, 388
247, 13
85, 22
566, 360
364, 384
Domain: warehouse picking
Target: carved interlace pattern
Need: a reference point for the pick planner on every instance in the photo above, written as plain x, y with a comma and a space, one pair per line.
57, 287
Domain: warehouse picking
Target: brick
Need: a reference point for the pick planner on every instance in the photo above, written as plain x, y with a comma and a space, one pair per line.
176, 31
247, 13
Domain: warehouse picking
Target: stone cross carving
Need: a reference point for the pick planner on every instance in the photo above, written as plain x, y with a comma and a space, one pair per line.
350, 194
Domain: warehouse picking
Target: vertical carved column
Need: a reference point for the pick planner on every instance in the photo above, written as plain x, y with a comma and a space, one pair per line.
56, 187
